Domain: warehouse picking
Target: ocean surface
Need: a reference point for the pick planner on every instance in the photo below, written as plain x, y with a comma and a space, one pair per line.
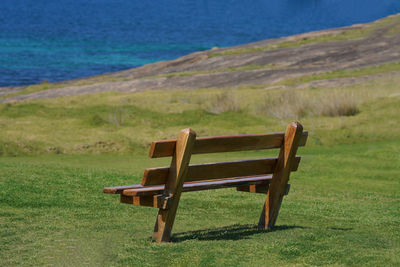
57, 40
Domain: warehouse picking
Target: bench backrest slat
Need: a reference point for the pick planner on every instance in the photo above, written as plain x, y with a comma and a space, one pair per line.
231, 143
220, 170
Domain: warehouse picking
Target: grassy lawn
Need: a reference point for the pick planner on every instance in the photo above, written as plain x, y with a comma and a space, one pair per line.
56, 155
343, 209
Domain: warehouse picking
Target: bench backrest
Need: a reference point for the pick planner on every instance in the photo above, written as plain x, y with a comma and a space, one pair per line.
180, 171
221, 170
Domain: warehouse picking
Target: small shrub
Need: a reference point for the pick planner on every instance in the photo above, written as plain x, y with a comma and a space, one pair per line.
13, 149
224, 102
54, 150
96, 120
287, 105
296, 105
117, 117
10, 149
336, 105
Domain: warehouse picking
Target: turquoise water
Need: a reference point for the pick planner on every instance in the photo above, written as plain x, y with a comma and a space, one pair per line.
66, 39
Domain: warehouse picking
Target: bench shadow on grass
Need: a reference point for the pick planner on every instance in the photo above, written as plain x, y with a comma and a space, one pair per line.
232, 232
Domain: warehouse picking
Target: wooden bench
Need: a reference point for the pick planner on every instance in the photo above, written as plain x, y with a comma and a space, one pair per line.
162, 187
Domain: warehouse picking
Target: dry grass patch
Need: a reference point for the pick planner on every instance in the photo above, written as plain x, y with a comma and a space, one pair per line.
295, 104
224, 102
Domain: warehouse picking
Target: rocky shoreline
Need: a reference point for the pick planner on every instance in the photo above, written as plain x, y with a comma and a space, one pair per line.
265, 63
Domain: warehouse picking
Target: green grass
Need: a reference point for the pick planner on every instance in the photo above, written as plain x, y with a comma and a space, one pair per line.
343, 209
350, 34
393, 31
127, 123
347, 73
57, 154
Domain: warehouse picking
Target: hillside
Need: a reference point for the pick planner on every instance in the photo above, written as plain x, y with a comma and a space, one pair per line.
270, 63
244, 89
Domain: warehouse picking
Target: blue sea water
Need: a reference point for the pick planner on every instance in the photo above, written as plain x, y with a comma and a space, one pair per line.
63, 39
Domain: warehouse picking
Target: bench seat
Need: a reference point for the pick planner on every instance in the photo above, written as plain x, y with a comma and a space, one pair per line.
140, 190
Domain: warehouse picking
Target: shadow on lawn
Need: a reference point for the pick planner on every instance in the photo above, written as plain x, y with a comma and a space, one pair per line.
232, 232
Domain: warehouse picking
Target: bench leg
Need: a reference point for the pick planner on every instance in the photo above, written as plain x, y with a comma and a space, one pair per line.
280, 178
174, 185
270, 212
164, 222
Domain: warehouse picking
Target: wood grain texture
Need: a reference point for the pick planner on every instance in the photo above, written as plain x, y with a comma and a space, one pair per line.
139, 201
215, 144
203, 185
219, 170
154, 201
119, 189
173, 187
280, 178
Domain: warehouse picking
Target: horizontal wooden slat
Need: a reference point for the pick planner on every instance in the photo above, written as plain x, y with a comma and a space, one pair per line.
208, 171
197, 186
230, 143
154, 201
119, 189
259, 188
149, 201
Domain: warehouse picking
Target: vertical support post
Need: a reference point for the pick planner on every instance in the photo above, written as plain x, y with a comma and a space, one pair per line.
174, 185
280, 178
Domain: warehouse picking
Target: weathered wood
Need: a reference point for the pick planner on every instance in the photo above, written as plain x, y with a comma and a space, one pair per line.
119, 189
154, 201
139, 200
215, 144
203, 185
280, 178
162, 187
219, 170
145, 191
173, 187
254, 188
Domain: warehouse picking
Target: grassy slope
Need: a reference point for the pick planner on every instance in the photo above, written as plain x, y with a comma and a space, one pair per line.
126, 123
343, 209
